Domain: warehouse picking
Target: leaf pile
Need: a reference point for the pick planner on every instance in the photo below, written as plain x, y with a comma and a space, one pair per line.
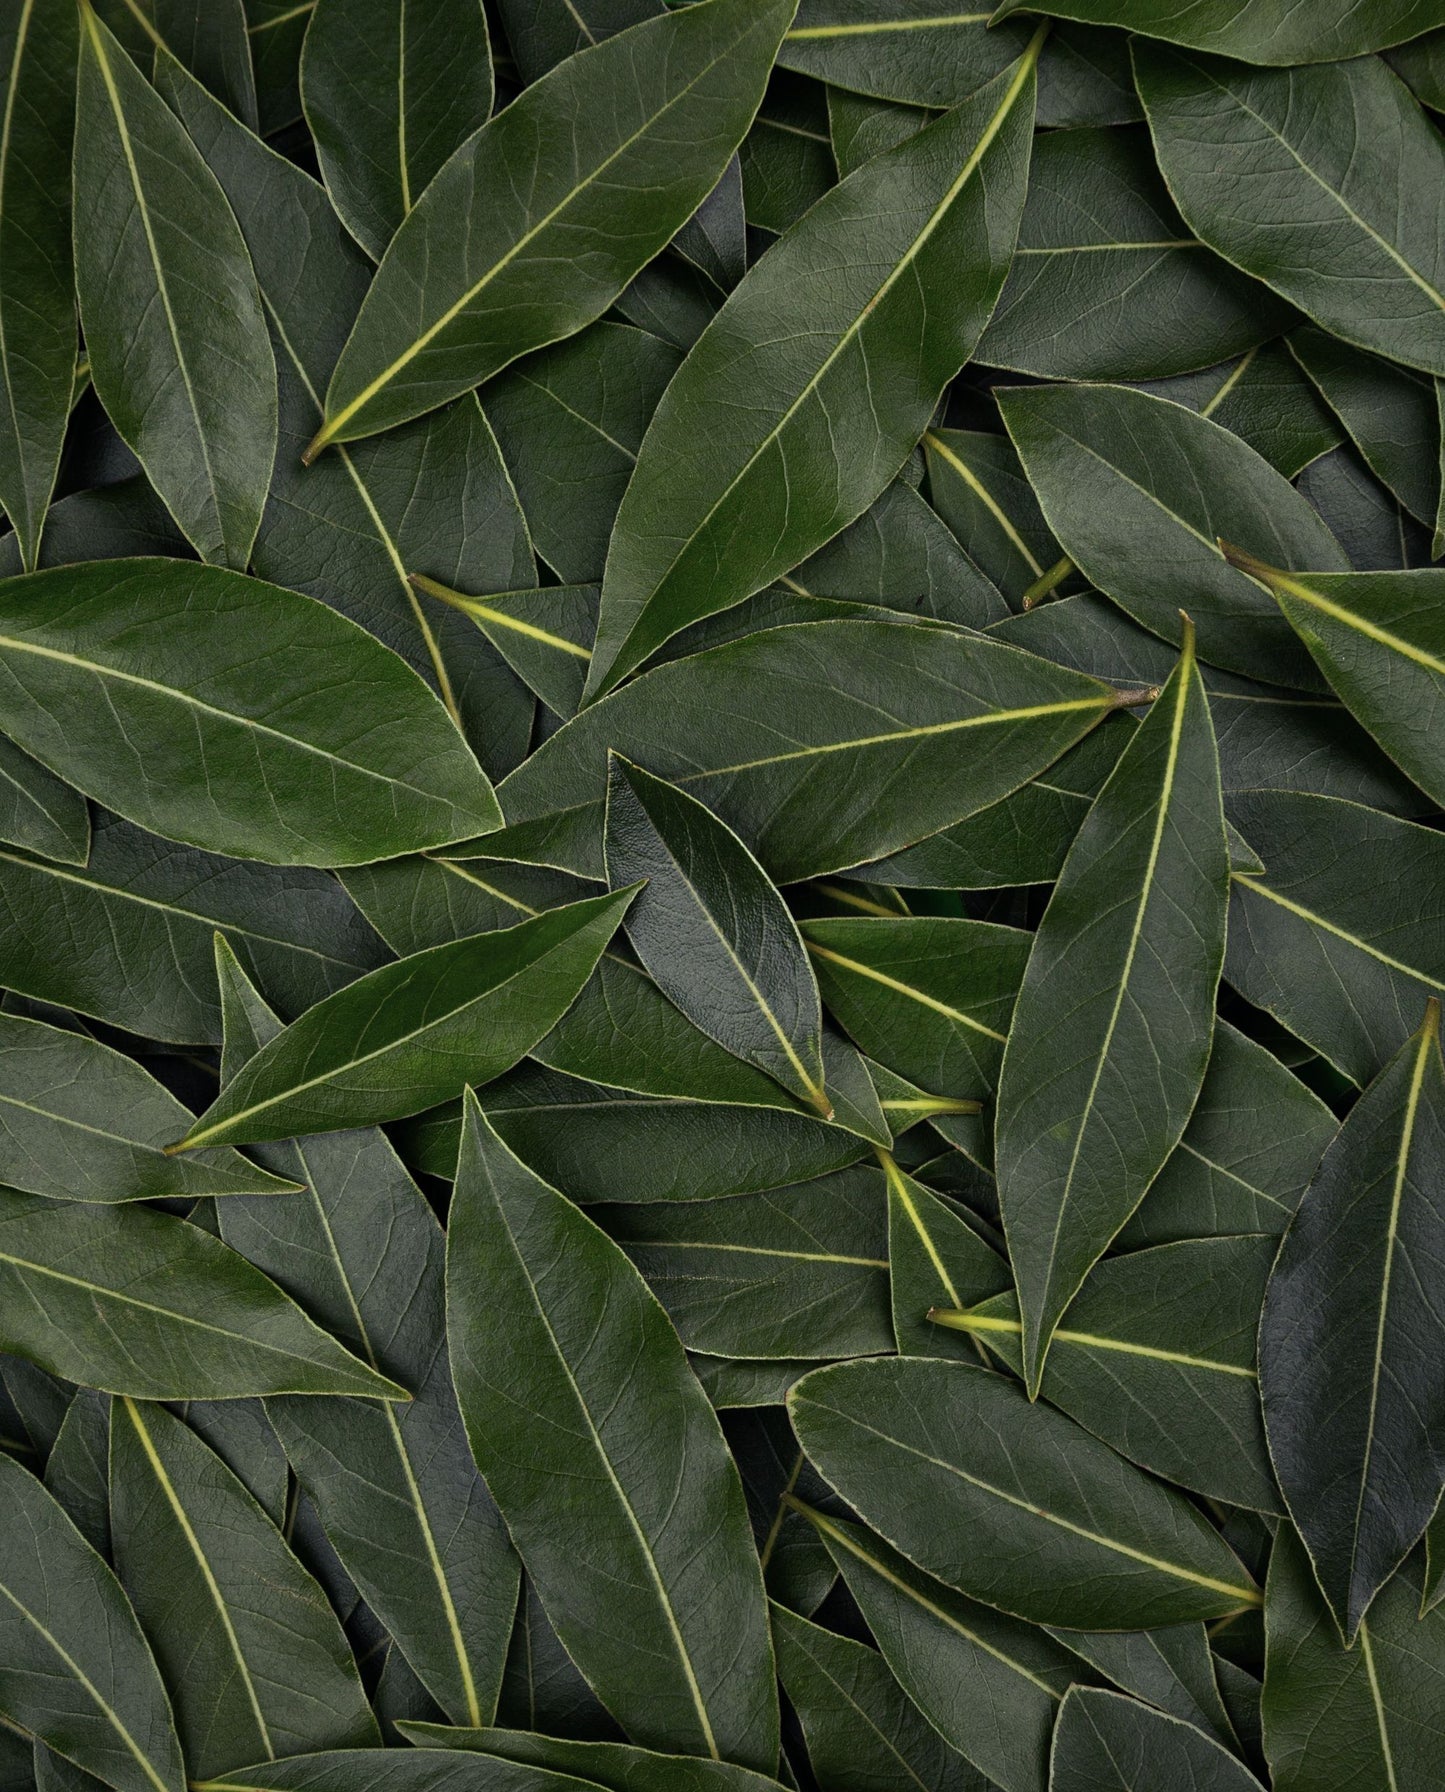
722, 897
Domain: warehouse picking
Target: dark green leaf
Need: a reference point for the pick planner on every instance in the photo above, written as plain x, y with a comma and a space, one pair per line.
38, 812
785, 163
860, 128
543, 33
1107, 1743
981, 492
615, 1765
1260, 30
209, 38
923, 52
78, 1469
391, 1770
1266, 401
937, 1256
276, 30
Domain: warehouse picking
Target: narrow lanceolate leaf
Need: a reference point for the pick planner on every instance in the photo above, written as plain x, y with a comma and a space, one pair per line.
37, 298
80, 1122
1104, 1742
139, 681
396, 1488
1256, 32
173, 324
133, 1302
713, 932
416, 1032
1157, 1357
608, 1464
1336, 1719
1379, 637
254, 1657
907, 728
1011, 1502
1262, 164
920, 52
1352, 1335
619, 1766
990, 1685
77, 1672
1138, 490
40, 812
1111, 1033
390, 92
890, 278
595, 167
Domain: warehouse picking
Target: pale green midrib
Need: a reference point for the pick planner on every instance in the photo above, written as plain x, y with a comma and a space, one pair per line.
449, 1610
1117, 472
985, 497
281, 18
904, 989
1227, 385
635, 1524
1234, 1176
753, 1250
22, 32
480, 610
168, 908
427, 336
1023, 73
588, 422
107, 75
765, 1554
854, 1548
401, 110
1185, 676
1397, 1195
96, 1132
98, 1290
27, 796
230, 717
112, 1716
1178, 242
804, 33
899, 1186
193, 1543
1317, 600
1247, 1595
195, 1138
1367, 1655
988, 1322
1317, 920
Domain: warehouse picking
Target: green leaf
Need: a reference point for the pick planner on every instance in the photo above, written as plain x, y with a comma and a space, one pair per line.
1342, 959
38, 811
77, 1673
396, 1488
990, 1685
386, 1770
414, 1033
980, 490
133, 1302
1266, 401
617, 1766
275, 30
860, 128
1042, 1520
77, 1470
80, 1122
1269, 31
38, 47
654, 1588
922, 52
1352, 1326
712, 514
861, 1730
1171, 1669
1261, 163
1138, 490
545, 634
1111, 1033
1106, 1743
137, 680
469, 283
713, 932
786, 168
1107, 283
1157, 1357
789, 1273
1336, 1717
174, 329
390, 92
254, 1657
542, 33
937, 1256
887, 713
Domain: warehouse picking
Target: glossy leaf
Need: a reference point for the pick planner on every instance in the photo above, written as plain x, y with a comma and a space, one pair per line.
173, 323
464, 288
1047, 1523
1106, 1743
1351, 1331
134, 1302
1111, 1032
712, 514
414, 1033
655, 1591
1266, 31
254, 1657
77, 1672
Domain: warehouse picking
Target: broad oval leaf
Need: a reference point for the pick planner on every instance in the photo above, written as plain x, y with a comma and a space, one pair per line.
891, 278
1011, 1502
1104, 1742
1352, 1328
415, 1032
1268, 31
138, 680
598, 163
712, 931
1111, 1032
1265, 166
77, 1672
251, 1677
577, 1379
1138, 490
133, 1302
173, 323
963, 721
